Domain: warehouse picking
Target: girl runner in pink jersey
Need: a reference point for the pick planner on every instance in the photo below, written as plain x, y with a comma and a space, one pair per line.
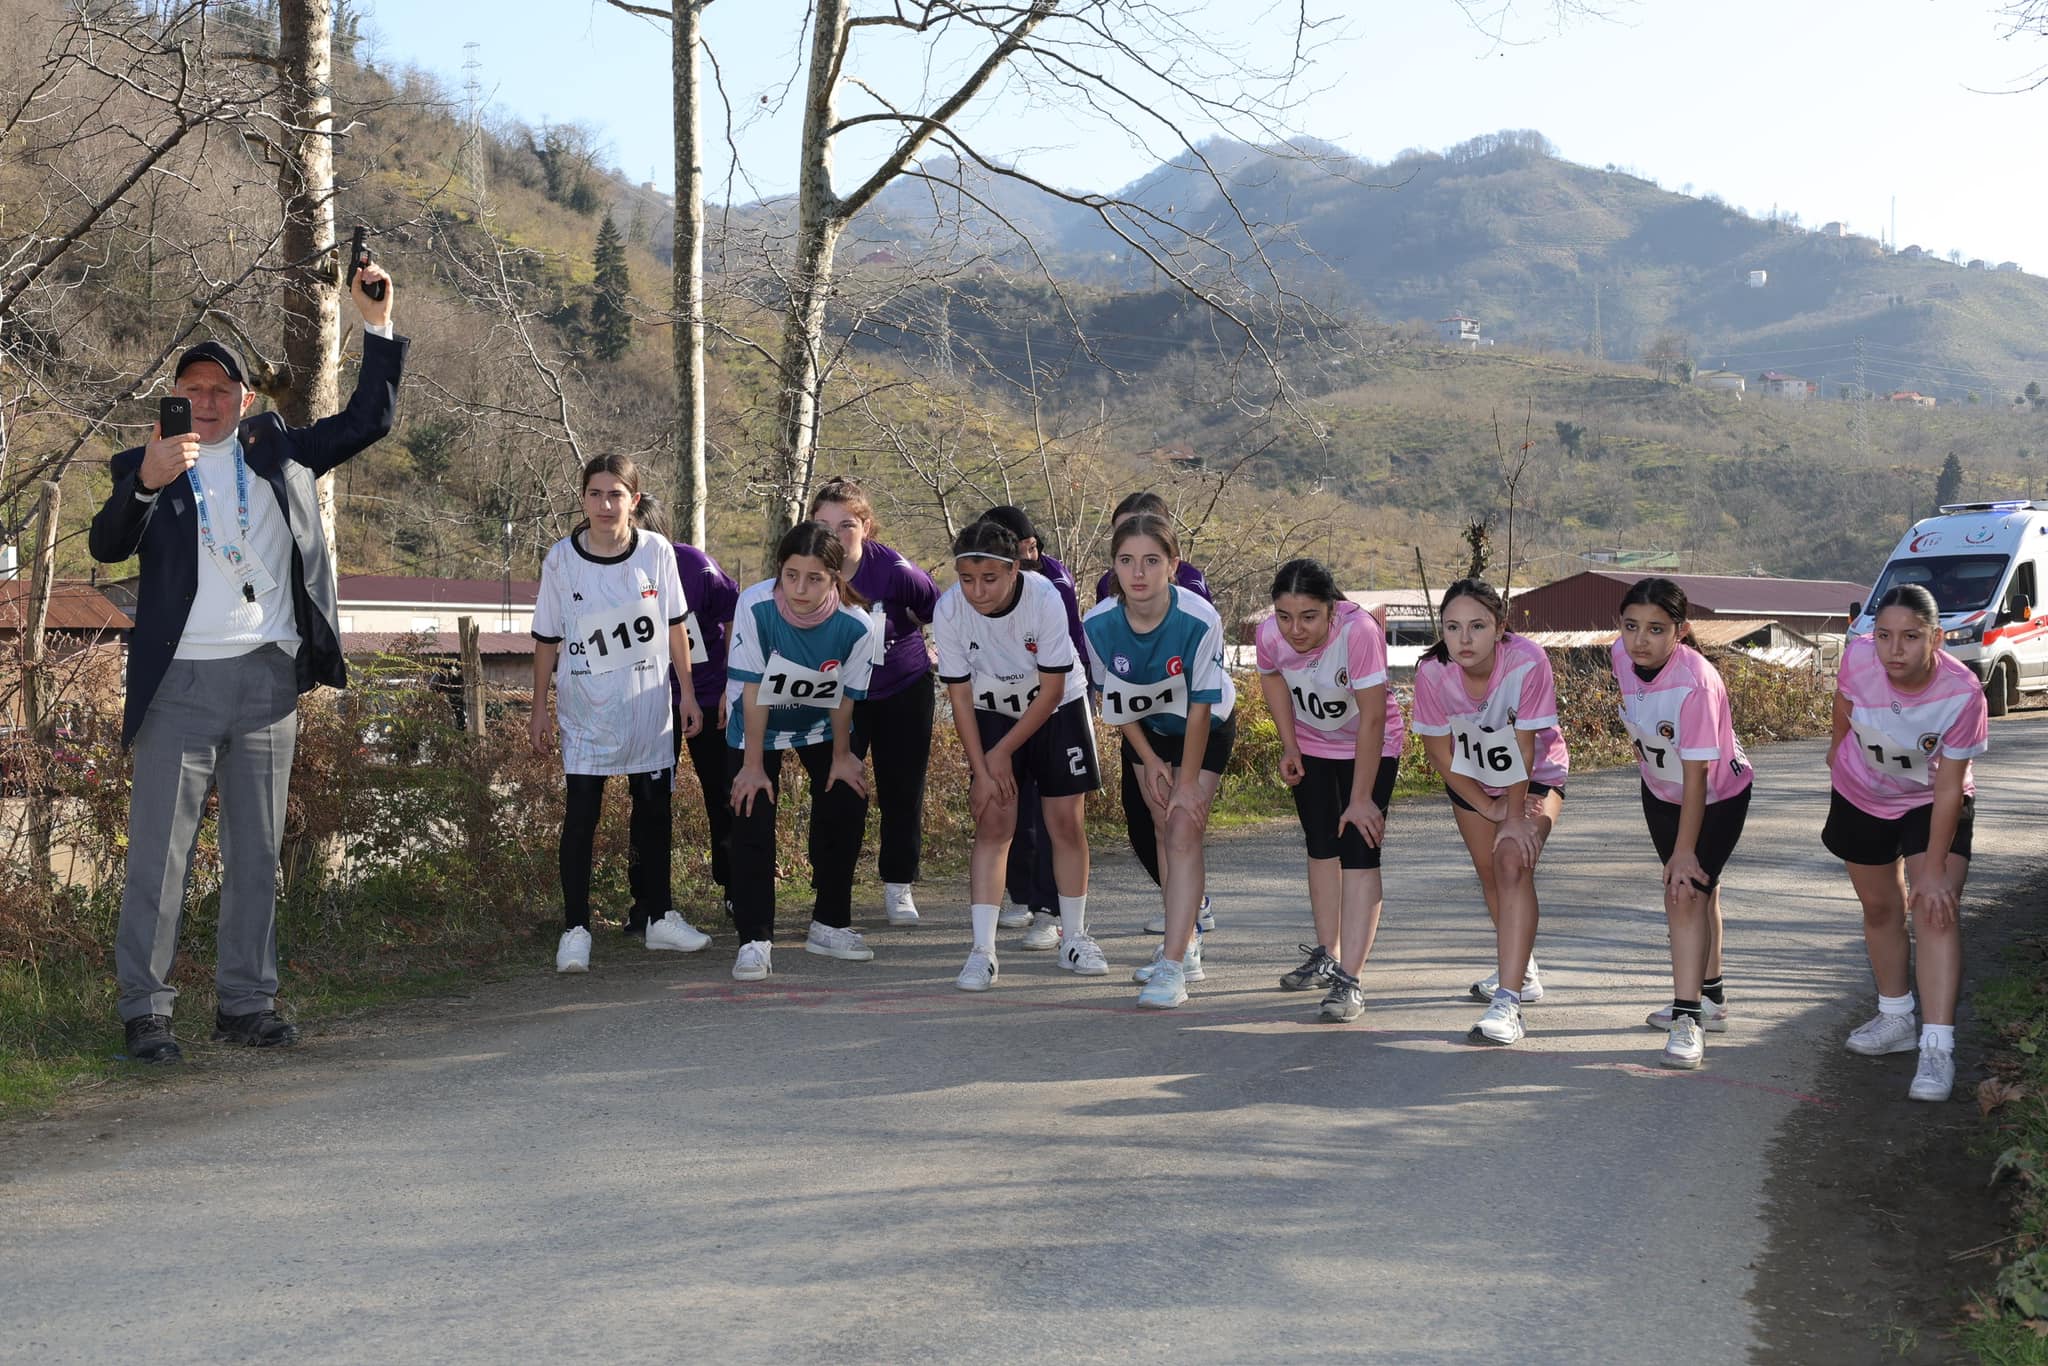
1486, 709
1909, 717
1696, 782
1323, 671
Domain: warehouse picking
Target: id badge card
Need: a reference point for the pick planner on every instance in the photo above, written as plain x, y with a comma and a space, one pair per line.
244, 569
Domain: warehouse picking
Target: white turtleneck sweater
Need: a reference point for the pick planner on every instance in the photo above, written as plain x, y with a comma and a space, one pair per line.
222, 623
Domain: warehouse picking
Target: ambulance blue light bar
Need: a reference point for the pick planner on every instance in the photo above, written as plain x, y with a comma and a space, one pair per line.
2012, 505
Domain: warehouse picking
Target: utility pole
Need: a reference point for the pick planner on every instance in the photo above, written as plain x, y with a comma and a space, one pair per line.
1599, 347
475, 163
1859, 415
36, 701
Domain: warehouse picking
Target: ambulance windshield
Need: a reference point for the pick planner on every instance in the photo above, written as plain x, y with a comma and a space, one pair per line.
1960, 583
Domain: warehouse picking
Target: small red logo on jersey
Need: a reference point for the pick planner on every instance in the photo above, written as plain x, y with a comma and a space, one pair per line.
828, 666
650, 592
1173, 667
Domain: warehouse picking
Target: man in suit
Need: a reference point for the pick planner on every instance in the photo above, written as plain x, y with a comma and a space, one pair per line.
235, 617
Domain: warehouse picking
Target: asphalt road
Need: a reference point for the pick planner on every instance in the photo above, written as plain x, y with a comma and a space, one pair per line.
858, 1162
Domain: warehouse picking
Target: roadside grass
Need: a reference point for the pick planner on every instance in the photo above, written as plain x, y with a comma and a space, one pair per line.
2008, 1323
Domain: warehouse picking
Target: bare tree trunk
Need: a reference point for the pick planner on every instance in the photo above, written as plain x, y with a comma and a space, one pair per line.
819, 224
691, 488
312, 292
35, 702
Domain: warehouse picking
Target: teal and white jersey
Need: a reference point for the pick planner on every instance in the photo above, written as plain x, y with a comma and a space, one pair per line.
803, 672
1154, 676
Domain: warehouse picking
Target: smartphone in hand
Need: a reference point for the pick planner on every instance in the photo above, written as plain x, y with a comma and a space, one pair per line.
174, 415
358, 258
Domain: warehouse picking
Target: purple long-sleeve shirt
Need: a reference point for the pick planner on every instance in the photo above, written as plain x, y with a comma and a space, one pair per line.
907, 597
1063, 579
1187, 576
709, 596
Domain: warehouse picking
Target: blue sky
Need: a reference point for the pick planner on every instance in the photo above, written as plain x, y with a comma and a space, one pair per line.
1816, 107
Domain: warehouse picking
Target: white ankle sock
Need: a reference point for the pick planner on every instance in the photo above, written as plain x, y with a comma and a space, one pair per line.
1074, 915
984, 918
1938, 1036
1895, 1005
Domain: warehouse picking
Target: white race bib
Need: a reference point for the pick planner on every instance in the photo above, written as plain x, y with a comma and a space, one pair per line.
1886, 755
1652, 749
1124, 701
612, 638
788, 684
1492, 757
1323, 710
1004, 698
696, 635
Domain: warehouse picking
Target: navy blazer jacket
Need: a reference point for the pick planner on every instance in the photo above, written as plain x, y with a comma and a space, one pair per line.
166, 531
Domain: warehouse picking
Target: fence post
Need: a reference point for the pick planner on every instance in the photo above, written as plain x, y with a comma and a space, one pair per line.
36, 702
467, 632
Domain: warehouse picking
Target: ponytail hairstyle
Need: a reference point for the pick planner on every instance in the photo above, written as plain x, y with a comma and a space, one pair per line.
1141, 524
652, 513
1481, 592
986, 540
845, 489
1915, 599
1664, 595
1309, 579
622, 468
816, 540
1145, 500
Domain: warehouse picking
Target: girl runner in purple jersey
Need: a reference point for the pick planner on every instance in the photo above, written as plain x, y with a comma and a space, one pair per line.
899, 706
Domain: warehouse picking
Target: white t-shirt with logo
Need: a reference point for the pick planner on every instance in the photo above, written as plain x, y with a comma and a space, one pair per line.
1001, 656
611, 616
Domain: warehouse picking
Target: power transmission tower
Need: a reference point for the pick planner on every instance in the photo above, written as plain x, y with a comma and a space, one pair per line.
1599, 343
474, 160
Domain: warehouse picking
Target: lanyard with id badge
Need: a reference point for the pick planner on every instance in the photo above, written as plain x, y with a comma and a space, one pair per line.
237, 559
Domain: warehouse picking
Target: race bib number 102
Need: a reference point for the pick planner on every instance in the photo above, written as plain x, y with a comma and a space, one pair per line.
788, 684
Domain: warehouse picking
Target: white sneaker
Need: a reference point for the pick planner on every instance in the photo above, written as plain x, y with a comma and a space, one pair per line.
1936, 1076
1500, 1025
1013, 916
1081, 956
1882, 1033
674, 932
754, 962
1532, 986
1205, 920
1190, 964
573, 953
979, 973
1044, 932
837, 943
1166, 988
1684, 1048
1713, 1018
897, 905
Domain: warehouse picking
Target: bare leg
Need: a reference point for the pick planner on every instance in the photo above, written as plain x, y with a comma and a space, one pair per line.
1691, 915
1514, 877
1069, 844
1938, 957
989, 861
1361, 916
1882, 890
1184, 871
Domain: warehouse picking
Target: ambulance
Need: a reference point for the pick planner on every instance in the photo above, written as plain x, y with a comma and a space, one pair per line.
1985, 563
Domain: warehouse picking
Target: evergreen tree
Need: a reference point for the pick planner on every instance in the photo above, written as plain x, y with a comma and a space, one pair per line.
611, 326
1948, 486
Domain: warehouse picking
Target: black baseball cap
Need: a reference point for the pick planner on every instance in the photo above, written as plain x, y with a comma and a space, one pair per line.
1013, 519
220, 354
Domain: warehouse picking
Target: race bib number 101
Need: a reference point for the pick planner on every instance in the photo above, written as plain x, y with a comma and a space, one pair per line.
1124, 701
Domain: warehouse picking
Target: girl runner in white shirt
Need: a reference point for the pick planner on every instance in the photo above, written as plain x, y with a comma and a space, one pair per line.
1019, 699
607, 627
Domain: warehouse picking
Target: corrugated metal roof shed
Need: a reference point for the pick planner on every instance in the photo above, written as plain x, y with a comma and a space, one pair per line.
74, 606
1587, 601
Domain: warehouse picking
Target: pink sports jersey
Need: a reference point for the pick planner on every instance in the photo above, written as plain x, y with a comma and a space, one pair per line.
1681, 714
1897, 740
1521, 694
1325, 682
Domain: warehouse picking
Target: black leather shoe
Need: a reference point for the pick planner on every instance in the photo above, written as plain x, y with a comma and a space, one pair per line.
150, 1039
257, 1029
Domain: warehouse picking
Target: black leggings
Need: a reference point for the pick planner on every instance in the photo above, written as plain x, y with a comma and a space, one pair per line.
902, 722
1138, 813
707, 760
647, 868
839, 819
1028, 876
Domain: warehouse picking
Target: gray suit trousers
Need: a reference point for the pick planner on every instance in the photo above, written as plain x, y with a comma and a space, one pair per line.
230, 724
